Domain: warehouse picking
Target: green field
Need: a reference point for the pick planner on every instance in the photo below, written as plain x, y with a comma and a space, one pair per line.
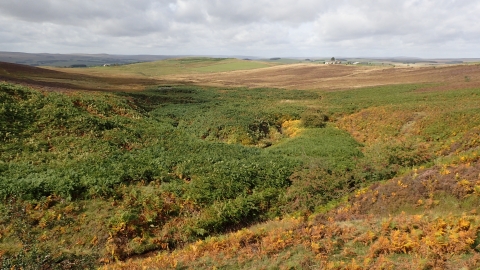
183, 66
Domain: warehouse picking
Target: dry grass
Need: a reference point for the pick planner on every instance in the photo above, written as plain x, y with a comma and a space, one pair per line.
292, 76
333, 77
71, 79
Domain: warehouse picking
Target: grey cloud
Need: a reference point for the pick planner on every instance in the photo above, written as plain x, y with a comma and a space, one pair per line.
249, 11
415, 19
116, 18
414, 27
250, 26
35, 11
52, 11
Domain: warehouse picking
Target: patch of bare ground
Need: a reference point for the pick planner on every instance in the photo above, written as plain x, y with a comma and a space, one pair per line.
337, 77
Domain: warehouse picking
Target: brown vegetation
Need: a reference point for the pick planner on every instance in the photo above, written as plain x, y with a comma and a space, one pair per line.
313, 76
294, 76
391, 225
69, 79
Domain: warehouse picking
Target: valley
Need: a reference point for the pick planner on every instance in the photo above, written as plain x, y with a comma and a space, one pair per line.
201, 163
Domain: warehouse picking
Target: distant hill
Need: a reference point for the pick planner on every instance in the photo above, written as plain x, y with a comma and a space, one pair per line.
48, 79
68, 60
77, 60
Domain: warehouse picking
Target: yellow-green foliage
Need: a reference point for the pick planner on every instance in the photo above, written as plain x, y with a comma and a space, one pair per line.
183, 66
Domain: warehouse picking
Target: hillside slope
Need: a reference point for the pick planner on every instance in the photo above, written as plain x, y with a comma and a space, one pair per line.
414, 208
338, 77
425, 220
189, 65
183, 176
61, 80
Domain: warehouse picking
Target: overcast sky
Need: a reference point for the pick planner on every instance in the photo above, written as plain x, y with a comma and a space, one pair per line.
268, 28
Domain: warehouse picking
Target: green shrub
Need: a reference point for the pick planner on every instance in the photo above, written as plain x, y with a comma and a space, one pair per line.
314, 119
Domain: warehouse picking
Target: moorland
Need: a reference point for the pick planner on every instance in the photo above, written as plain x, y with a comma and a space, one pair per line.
201, 163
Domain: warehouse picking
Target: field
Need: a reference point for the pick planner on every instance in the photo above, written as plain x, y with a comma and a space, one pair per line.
200, 163
191, 65
323, 77
300, 76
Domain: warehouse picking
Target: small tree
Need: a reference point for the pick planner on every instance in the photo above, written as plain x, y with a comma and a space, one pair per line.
332, 59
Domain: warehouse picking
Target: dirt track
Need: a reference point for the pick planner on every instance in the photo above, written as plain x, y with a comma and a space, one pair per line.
331, 77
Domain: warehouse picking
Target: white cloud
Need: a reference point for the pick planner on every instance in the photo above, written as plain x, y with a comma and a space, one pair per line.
442, 28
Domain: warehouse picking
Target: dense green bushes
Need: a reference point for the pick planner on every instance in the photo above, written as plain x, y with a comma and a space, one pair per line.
81, 146
314, 118
190, 139
179, 163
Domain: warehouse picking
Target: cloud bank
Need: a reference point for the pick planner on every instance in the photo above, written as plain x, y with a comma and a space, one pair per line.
421, 28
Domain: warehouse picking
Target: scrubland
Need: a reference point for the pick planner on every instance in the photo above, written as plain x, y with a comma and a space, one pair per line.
355, 168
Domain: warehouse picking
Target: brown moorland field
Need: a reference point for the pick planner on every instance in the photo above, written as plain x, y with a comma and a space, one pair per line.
311, 76
298, 76
61, 80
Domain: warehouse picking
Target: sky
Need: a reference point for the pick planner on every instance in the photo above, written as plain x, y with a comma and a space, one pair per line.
263, 28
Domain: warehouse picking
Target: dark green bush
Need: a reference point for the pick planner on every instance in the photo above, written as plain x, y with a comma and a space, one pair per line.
314, 119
